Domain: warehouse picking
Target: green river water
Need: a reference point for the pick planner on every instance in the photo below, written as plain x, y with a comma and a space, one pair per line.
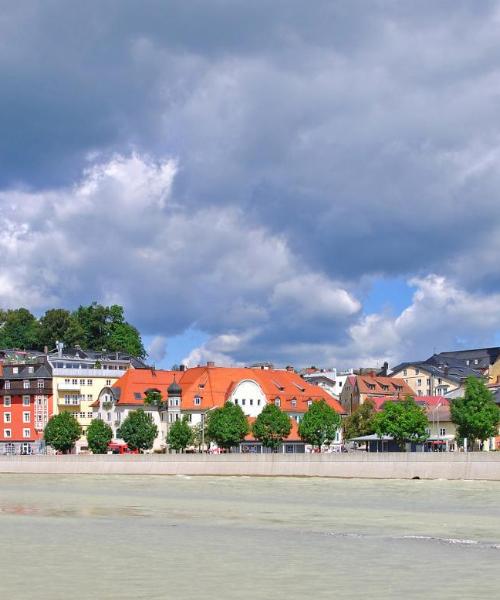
100, 537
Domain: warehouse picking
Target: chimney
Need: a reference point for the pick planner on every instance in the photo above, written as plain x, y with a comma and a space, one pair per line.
182, 367
59, 346
153, 371
210, 363
290, 369
45, 349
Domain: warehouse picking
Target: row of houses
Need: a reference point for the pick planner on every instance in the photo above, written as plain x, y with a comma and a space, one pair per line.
34, 386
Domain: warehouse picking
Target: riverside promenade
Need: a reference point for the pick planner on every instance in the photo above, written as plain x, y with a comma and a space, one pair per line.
452, 466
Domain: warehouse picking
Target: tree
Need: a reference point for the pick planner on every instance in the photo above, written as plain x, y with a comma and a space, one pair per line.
476, 415
99, 434
404, 421
271, 427
153, 398
138, 430
54, 326
227, 426
62, 431
361, 421
18, 329
319, 425
180, 435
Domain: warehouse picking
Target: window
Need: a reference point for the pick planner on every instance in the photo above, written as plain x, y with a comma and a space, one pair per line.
108, 416
251, 402
467, 362
197, 401
74, 381
89, 397
15, 370
89, 415
439, 381
26, 417
7, 417
476, 361
108, 382
235, 401
26, 384
428, 381
294, 402
26, 433
67, 381
340, 384
82, 381
309, 402
277, 402
258, 402
31, 369
243, 402
190, 418
417, 371
7, 401
26, 400
419, 382
442, 431
40, 384
7, 433
7, 385
405, 372
89, 381
81, 415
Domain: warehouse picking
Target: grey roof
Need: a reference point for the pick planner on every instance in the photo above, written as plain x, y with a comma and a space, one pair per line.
96, 355
371, 438
42, 370
452, 369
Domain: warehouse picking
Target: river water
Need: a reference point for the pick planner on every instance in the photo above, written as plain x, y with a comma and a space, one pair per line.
117, 537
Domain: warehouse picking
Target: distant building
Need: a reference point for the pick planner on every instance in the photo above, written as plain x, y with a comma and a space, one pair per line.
330, 380
26, 402
359, 388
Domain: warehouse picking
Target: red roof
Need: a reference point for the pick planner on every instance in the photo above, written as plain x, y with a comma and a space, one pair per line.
213, 386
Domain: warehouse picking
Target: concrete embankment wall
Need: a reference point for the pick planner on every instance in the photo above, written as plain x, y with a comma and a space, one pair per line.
485, 466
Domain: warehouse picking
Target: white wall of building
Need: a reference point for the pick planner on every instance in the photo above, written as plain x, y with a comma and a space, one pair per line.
249, 395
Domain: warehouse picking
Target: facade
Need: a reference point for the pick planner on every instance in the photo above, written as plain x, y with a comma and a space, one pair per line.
78, 378
359, 388
25, 403
194, 392
332, 381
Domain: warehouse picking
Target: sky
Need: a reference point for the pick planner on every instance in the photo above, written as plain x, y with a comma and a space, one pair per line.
295, 182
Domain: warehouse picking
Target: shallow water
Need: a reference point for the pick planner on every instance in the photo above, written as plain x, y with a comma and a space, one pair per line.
184, 538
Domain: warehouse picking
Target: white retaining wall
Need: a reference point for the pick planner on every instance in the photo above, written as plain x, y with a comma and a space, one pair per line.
478, 465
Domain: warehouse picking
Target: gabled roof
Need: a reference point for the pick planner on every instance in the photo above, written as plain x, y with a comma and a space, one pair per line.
451, 369
213, 386
436, 407
385, 386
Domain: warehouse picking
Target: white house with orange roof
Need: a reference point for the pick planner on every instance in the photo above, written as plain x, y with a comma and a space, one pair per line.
194, 392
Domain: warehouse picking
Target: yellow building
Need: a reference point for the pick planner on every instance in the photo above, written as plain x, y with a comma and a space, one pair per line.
78, 376
428, 380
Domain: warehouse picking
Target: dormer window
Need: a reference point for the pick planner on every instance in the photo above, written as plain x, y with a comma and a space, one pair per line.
197, 401
277, 402
7, 385
294, 402
15, 370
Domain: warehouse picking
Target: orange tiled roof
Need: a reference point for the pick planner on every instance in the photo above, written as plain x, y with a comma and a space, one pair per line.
383, 386
213, 385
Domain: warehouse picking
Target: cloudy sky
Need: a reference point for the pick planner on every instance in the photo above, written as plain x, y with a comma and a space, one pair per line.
305, 183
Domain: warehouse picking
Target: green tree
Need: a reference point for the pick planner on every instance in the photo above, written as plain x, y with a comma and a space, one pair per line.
62, 431
99, 434
271, 426
180, 435
361, 421
138, 430
53, 327
476, 415
124, 337
319, 425
18, 329
227, 426
153, 398
404, 421
201, 437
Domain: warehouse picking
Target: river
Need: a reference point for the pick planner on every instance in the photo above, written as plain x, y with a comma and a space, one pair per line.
180, 538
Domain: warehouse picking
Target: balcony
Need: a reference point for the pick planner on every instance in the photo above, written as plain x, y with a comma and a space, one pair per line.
69, 401
69, 386
19, 389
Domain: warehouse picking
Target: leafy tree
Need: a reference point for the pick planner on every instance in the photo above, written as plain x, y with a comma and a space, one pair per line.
476, 415
405, 421
62, 431
227, 426
18, 329
99, 434
180, 435
271, 427
125, 338
361, 421
201, 436
138, 430
319, 425
53, 327
153, 398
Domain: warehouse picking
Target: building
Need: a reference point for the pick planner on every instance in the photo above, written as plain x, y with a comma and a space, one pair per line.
25, 402
438, 375
360, 387
194, 392
80, 375
330, 380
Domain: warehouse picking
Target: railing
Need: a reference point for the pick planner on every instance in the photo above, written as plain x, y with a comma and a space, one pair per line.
68, 386
18, 390
65, 402
109, 373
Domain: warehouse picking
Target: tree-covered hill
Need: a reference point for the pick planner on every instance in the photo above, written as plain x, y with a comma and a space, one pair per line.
93, 327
